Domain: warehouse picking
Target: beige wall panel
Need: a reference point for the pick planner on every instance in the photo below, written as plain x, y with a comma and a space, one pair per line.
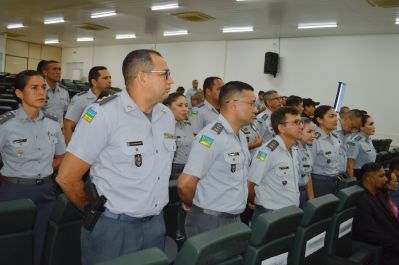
15, 65
32, 63
35, 50
51, 53
17, 48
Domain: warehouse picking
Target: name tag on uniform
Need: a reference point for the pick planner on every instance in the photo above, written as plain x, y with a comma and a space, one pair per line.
136, 143
169, 136
19, 141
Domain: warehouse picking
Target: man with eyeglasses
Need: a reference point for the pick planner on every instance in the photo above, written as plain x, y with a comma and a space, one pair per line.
273, 102
127, 141
213, 186
207, 112
274, 173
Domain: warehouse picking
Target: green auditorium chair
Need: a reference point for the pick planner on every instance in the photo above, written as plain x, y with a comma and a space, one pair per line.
273, 236
347, 182
309, 247
63, 234
17, 218
150, 256
222, 246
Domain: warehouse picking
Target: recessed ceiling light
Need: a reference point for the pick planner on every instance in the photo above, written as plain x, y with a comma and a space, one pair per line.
54, 20
317, 25
85, 39
51, 41
175, 33
164, 6
15, 25
125, 36
103, 14
237, 29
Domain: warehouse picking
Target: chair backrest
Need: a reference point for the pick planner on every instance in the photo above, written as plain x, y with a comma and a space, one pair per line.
17, 218
12, 103
63, 234
273, 235
150, 256
339, 233
309, 247
4, 109
347, 182
224, 245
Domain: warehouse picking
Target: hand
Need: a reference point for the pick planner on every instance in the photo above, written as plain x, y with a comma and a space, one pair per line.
258, 141
186, 208
251, 206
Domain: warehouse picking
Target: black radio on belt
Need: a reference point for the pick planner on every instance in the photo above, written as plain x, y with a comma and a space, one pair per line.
94, 208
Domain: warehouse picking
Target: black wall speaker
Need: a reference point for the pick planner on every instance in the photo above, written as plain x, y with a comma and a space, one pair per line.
271, 63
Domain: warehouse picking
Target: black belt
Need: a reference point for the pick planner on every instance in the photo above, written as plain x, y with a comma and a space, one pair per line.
213, 213
25, 181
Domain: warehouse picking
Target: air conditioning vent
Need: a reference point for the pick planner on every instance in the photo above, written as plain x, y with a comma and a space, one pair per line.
11, 34
90, 26
384, 3
193, 16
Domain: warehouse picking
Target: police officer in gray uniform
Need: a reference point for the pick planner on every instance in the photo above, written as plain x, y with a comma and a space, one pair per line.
213, 184
99, 79
184, 133
325, 152
360, 146
273, 101
128, 140
343, 132
32, 146
57, 99
274, 173
207, 112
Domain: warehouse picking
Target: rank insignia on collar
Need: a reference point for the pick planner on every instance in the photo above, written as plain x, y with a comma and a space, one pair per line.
218, 127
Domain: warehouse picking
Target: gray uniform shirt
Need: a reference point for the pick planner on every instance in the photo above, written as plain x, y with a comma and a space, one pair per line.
130, 156
28, 147
57, 102
78, 104
343, 151
220, 159
202, 115
305, 163
264, 120
184, 140
275, 172
251, 131
361, 149
325, 154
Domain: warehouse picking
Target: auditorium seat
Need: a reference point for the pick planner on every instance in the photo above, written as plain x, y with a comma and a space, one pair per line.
347, 182
309, 247
222, 246
12, 103
17, 218
273, 236
63, 234
4, 109
150, 256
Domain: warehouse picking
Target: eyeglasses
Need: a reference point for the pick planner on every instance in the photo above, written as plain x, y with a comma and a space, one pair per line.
165, 73
252, 104
278, 98
298, 122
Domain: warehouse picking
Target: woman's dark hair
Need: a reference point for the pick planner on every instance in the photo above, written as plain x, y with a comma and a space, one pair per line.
22, 78
320, 112
172, 98
364, 118
306, 120
394, 163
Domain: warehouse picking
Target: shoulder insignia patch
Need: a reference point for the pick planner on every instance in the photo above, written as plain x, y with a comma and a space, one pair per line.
89, 115
6, 116
218, 127
265, 117
317, 134
206, 141
51, 117
261, 155
194, 113
272, 145
82, 93
104, 100
201, 105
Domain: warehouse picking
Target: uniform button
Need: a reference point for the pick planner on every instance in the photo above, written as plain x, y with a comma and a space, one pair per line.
158, 178
156, 151
156, 205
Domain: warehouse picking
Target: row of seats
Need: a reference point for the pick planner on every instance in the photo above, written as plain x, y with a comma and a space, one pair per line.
384, 157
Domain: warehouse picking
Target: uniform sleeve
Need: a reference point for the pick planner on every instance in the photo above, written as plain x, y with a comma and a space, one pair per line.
91, 134
74, 110
260, 165
202, 155
2, 136
314, 150
353, 149
196, 120
60, 146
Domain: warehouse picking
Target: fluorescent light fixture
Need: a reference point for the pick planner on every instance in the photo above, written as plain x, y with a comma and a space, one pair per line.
125, 36
397, 21
237, 29
54, 20
51, 41
85, 39
165, 6
103, 14
317, 25
15, 25
175, 33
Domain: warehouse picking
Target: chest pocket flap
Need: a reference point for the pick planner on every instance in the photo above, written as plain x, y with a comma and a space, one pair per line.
234, 158
170, 145
20, 142
282, 170
133, 147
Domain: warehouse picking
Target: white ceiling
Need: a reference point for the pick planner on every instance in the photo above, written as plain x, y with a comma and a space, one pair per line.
270, 19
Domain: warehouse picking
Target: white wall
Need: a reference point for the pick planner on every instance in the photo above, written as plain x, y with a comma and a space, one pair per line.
3, 52
309, 67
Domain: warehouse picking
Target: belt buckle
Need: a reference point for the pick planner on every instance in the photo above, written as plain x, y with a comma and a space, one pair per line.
39, 181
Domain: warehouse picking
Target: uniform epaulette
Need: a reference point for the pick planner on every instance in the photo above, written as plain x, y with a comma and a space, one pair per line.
104, 100
63, 87
333, 134
51, 117
6, 116
200, 105
317, 135
82, 93
357, 138
272, 145
218, 127
265, 117
186, 122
